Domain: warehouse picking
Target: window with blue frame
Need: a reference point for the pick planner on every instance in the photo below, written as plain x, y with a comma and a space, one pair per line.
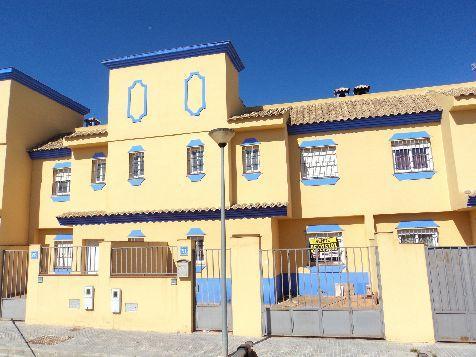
136, 165
319, 162
251, 159
412, 155
98, 170
195, 161
426, 236
63, 255
61, 181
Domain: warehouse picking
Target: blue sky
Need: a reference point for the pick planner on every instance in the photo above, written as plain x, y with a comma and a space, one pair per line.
291, 50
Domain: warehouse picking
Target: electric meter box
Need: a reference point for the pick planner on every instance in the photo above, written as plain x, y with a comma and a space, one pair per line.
116, 301
88, 297
183, 268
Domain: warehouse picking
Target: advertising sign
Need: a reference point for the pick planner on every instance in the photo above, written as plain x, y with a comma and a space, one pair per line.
324, 248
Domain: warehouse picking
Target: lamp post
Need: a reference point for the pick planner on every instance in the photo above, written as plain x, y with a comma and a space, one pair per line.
222, 137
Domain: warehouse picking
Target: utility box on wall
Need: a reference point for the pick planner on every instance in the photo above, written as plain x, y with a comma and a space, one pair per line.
88, 297
116, 298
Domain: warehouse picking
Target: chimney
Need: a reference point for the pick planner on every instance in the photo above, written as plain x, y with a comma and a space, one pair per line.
361, 89
341, 92
91, 121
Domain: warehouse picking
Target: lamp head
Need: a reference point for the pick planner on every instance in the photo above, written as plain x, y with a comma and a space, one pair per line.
221, 136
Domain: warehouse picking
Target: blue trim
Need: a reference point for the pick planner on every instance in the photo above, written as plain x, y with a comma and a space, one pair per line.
253, 176
98, 186
129, 98
471, 201
177, 53
175, 216
203, 105
199, 267
417, 224
136, 181
195, 177
136, 148
99, 155
136, 233
208, 290
22, 78
375, 122
195, 232
50, 154
414, 175
324, 228
62, 271
62, 165
412, 135
250, 142
195, 143
317, 143
64, 237
320, 181
60, 198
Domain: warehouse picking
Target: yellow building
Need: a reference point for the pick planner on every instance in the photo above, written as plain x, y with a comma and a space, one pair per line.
349, 193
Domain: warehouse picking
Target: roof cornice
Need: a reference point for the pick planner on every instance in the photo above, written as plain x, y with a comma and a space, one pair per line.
177, 53
50, 154
22, 78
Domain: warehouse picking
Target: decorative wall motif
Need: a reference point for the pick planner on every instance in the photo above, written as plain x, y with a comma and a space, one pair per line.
195, 94
137, 101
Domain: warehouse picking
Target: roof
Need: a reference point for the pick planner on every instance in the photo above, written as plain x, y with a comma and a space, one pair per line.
87, 131
459, 91
22, 78
54, 143
259, 112
177, 53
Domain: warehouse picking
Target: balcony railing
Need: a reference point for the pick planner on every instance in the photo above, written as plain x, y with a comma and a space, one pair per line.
143, 261
66, 259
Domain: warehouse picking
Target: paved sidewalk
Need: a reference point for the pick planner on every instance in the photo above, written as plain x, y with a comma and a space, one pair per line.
70, 341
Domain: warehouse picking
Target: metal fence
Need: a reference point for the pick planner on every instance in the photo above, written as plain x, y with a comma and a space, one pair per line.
143, 261
68, 259
14, 276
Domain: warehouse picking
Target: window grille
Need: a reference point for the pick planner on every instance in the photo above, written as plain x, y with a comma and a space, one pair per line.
199, 250
99, 171
61, 181
195, 160
136, 164
324, 248
427, 236
412, 155
64, 254
319, 162
251, 159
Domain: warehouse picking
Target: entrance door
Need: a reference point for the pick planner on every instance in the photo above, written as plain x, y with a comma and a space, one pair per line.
208, 292
13, 283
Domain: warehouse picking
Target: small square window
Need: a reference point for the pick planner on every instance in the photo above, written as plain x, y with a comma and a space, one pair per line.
318, 162
426, 236
195, 164
251, 159
61, 181
412, 155
136, 165
98, 171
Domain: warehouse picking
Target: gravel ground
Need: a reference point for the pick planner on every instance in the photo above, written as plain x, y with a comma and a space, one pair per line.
72, 341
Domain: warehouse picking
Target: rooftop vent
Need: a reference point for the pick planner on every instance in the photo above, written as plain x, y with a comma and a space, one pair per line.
341, 92
91, 121
361, 89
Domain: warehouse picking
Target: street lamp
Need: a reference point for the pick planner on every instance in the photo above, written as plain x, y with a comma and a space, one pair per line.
222, 136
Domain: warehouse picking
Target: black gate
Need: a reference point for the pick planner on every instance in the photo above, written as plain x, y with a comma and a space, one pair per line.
13, 283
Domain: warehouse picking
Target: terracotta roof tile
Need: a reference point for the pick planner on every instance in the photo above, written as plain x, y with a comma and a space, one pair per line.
88, 131
461, 91
56, 142
259, 112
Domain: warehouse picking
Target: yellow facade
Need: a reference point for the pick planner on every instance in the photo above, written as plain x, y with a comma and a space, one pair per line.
162, 106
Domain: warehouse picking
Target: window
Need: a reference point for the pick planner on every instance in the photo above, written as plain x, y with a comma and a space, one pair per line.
412, 155
327, 247
63, 254
61, 181
92, 257
318, 162
251, 159
136, 164
99, 171
199, 251
195, 160
427, 236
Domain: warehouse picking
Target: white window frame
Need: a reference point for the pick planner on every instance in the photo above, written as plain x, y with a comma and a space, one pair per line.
319, 162
63, 254
98, 170
410, 146
136, 172
251, 159
92, 256
419, 236
195, 160
61, 176
336, 257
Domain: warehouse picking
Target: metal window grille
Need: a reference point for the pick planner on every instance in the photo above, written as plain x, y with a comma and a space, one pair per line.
327, 255
412, 155
99, 171
199, 249
136, 164
319, 162
251, 159
64, 254
61, 181
195, 160
427, 236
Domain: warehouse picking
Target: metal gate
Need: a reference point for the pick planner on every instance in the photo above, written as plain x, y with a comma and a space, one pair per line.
208, 292
328, 293
13, 283
453, 292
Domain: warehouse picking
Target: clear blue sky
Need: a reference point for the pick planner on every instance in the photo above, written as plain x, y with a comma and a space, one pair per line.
292, 50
